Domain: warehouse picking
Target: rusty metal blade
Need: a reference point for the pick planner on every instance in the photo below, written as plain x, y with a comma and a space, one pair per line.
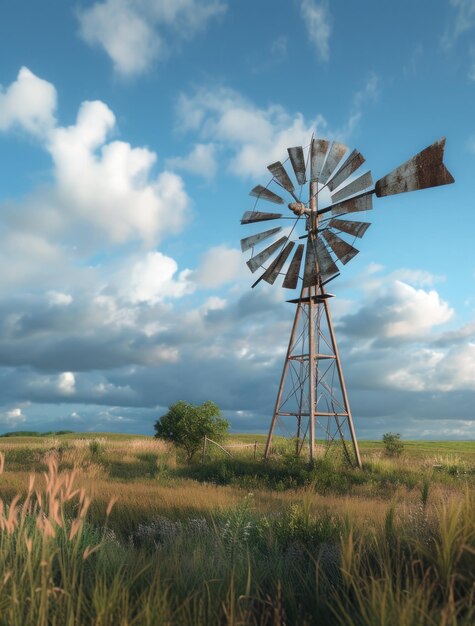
278, 172
357, 229
424, 170
249, 242
273, 270
256, 261
310, 275
292, 276
318, 150
258, 216
326, 264
364, 202
360, 183
298, 163
351, 164
266, 194
335, 154
343, 250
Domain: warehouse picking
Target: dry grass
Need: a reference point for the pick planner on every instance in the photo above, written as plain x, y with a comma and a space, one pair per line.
188, 552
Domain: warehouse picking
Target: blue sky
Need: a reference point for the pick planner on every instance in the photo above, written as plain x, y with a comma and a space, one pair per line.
131, 132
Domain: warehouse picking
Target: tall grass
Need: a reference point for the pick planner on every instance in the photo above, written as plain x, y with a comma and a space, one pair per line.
121, 532
411, 574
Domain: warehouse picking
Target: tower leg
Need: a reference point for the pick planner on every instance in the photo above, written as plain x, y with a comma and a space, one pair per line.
311, 375
282, 380
342, 384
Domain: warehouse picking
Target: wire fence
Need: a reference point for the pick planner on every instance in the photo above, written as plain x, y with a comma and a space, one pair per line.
225, 449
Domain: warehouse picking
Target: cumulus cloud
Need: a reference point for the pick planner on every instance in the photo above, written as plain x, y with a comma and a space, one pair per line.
56, 298
152, 279
249, 137
254, 136
12, 417
398, 311
29, 103
66, 383
200, 161
109, 185
316, 17
134, 33
218, 266
107, 188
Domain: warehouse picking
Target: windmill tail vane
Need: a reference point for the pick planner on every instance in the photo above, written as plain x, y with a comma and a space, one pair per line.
312, 394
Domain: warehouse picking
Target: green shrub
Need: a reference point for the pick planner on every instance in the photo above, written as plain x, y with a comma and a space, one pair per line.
96, 448
186, 425
393, 445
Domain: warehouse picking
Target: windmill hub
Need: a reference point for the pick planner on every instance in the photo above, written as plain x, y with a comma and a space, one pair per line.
312, 392
298, 208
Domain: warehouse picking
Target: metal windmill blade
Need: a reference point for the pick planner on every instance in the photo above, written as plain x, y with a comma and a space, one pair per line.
336, 152
297, 159
318, 152
257, 261
343, 250
351, 164
278, 172
262, 192
357, 229
249, 242
259, 216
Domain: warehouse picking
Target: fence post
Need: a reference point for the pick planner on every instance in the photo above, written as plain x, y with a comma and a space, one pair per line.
255, 450
205, 439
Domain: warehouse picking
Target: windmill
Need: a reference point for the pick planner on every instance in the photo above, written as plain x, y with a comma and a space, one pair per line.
305, 248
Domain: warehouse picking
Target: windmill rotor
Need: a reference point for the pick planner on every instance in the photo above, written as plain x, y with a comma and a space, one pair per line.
326, 189
331, 228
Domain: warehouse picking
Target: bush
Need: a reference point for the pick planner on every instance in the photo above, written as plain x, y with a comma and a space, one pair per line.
96, 448
393, 445
186, 425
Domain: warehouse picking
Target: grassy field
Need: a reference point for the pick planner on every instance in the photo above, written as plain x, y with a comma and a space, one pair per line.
117, 529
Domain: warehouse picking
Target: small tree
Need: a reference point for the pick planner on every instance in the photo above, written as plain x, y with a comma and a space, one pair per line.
186, 424
393, 445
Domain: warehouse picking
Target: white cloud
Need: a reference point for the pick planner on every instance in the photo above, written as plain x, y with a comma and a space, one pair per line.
395, 309
369, 93
316, 17
200, 161
434, 370
152, 279
218, 266
248, 137
125, 35
107, 187
463, 22
416, 278
110, 185
66, 384
56, 298
29, 102
134, 33
12, 417
254, 136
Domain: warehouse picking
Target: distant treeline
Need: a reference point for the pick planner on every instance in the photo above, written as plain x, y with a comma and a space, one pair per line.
34, 433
